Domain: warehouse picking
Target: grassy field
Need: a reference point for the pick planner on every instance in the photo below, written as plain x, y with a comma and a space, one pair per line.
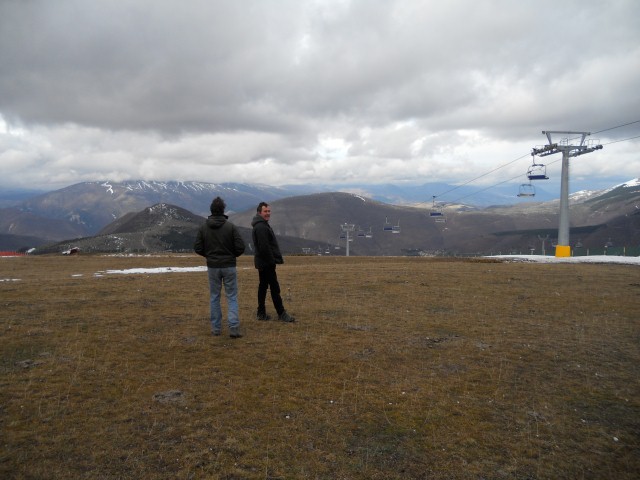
397, 368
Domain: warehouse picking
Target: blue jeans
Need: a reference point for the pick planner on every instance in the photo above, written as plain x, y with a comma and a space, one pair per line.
228, 276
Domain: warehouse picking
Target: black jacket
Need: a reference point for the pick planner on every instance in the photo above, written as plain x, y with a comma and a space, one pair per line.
219, 241
266, 249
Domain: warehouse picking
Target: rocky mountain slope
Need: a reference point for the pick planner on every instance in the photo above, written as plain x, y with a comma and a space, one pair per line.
159, 228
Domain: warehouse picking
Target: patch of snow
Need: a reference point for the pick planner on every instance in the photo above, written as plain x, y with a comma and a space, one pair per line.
131, 271
109, 187
583, 259
583, 195
631, 183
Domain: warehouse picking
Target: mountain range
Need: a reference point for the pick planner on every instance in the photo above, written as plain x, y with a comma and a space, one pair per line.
83, 209
155, 216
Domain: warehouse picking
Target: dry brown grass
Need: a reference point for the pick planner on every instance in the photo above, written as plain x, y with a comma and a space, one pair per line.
397, 368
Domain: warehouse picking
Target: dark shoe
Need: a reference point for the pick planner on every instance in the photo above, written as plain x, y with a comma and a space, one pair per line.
285, 317
263, 316
235, 333
216, 333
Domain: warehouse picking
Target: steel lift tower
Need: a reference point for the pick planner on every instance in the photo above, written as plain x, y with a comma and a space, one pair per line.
347, 228
568, 149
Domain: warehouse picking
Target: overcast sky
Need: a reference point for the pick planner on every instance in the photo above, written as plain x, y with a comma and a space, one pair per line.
324, 92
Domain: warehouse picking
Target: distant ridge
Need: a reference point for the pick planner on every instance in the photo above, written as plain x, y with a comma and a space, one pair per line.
108, 209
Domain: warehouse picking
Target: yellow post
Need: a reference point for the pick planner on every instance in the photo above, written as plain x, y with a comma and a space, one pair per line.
563, 251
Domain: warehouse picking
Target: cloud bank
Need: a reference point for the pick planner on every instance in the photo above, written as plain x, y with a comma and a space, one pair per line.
325, 91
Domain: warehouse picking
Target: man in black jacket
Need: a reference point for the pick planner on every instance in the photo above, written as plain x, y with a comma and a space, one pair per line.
266, 256
219, 241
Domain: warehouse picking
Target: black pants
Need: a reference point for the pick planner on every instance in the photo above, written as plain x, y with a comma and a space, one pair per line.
269, 280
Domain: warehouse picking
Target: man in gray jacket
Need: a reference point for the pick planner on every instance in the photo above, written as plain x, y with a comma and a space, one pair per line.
219, 241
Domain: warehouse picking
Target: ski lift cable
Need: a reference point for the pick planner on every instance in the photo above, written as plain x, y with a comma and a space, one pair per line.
487, 188
618, 126
523, 156
483, 175
500, 183
618, 141
612, 128
546, 164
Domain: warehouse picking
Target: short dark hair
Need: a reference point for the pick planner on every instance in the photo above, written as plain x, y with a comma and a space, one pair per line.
218, 206
260, 205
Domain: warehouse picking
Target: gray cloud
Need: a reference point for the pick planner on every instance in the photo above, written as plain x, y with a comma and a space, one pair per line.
307, 90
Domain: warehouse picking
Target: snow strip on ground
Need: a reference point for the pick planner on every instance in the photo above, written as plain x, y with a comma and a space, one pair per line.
155, 270
583, 259
512, 258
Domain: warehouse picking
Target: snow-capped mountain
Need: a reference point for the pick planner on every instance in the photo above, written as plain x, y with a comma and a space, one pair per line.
88, 207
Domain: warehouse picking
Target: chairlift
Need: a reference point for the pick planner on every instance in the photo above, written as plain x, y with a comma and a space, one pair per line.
436, 212
396, 228
369, 234
360, 233
537, 171
387, 226
526, 190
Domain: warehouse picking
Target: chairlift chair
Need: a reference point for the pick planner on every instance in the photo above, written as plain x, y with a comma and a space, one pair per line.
537, 171
396, 228
436, 212
526, 190
387, 226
